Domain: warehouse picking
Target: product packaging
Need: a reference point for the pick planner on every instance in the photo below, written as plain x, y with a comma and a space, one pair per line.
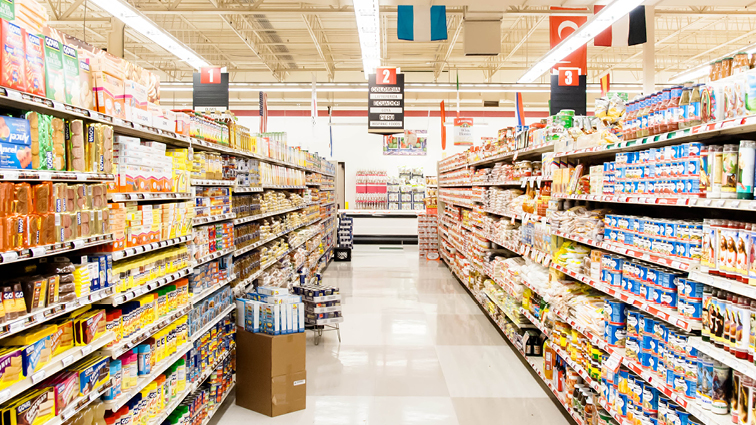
55, 83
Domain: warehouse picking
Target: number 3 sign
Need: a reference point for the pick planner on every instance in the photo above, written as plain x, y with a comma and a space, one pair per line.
385, 76
569, 76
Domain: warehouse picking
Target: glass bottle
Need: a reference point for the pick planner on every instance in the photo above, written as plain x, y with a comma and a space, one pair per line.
694, 109
672, 114
664, 125
682, 111
729, 171
714, 172
746, 165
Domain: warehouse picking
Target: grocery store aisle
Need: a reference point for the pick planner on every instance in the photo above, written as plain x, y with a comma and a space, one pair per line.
415, 350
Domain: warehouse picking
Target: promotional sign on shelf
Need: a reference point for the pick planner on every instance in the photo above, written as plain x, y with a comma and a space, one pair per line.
386, 101
463, 132
210, 90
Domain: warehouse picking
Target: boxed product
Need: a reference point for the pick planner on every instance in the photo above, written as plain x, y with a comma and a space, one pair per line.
11, 366
71, 75
36, 347
93, 373
271, 375
135, 103
109, 94
13, 56
55, 83
15, 143
35, 64
85, 79
33, 407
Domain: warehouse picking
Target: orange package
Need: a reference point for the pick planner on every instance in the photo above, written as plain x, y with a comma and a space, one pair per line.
6, 198
43, 198
22, 198
17, 228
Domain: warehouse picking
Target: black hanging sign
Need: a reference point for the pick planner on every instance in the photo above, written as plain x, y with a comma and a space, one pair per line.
386, 102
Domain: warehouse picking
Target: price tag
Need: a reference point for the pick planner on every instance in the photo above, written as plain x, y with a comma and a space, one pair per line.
721, 203
77, 243
682, 201
9, 256
4, 394
38, 376
613, 362
38, 251
10, 175
86, 350
93, 396
734, 204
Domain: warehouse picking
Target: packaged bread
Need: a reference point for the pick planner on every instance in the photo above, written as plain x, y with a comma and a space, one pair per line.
64, 227
84, 222
90, 148
70, 198
35, 292
107, 134
58, 265
11, 366
53, 286
60, 197
22, 198
47, 237
59, 144
6, 198
98, 195
43, 197
33, 407
81, 197
17, 228
75, 154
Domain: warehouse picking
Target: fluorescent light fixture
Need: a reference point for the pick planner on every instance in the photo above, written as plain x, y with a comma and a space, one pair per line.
143, 25
689, 75
368, 28
601, 21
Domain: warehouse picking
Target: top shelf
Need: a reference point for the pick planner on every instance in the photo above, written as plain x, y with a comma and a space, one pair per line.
524, 153
24, 101
729, 127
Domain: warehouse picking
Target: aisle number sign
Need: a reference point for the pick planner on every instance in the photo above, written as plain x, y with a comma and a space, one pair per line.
386, 102
569, 76
210, 75
210, 90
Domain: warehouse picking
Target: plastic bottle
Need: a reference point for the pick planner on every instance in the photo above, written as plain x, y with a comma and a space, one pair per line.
644, 117
664, 124
694, 108
752, 331
181, 375
682, 110
672, 114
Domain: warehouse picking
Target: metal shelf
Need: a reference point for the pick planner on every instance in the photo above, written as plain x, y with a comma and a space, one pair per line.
247, 189
137, 250
198, 221
55, 176
243, 220
149, 196
213, 256
127, 344
54, 249
195, 298
208, 182
120, 298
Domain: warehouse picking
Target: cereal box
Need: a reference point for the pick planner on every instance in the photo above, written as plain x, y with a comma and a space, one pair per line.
13, 57
85, 81
71, 75
35, 64
55, 83
7, 10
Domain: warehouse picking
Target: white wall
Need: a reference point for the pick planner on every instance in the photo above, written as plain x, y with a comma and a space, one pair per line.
358, 149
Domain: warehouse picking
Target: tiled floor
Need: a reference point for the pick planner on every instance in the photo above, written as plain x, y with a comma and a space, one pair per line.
415, 349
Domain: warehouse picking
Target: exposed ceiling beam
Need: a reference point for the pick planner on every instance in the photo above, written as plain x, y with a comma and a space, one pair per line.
243, 28
491, 72
441, 61
713, 49
72, 9
315, 27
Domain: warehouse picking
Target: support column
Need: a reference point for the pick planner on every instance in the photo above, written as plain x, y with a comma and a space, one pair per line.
649, 71
116, 37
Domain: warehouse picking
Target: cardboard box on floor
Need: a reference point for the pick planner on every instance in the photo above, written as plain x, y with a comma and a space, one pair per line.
270, 375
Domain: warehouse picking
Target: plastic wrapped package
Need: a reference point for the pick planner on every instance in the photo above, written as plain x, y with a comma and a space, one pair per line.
75, 151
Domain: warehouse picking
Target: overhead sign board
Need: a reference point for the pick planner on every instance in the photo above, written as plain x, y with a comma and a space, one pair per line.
210, 90
386, 102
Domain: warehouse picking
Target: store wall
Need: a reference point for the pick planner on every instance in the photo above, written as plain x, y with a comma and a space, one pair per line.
360, 150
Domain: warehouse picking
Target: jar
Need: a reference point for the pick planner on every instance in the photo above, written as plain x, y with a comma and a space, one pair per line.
694, 107
740, 63
746, 165
537, 168
713, 69
682, 117
726, 67
714, 171
729, 171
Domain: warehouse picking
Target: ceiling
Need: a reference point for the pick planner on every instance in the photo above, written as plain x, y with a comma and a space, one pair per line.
267, 41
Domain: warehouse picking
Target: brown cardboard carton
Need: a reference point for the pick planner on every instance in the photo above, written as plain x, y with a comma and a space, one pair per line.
271, 376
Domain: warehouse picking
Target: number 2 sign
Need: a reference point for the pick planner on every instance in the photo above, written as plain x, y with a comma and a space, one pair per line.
210, 75
385, 76
569, 76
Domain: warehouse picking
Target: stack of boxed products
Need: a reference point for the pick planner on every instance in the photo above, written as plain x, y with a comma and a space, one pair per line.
427, 233
322, 304
143, 166
270, 310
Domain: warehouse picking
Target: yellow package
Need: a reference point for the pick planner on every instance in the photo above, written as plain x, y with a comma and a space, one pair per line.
33, 407
63, 338
11, 366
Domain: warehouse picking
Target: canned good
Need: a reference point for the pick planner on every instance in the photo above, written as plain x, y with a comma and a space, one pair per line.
615, 312
632, 348
650, 400
615, 335
633, 322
